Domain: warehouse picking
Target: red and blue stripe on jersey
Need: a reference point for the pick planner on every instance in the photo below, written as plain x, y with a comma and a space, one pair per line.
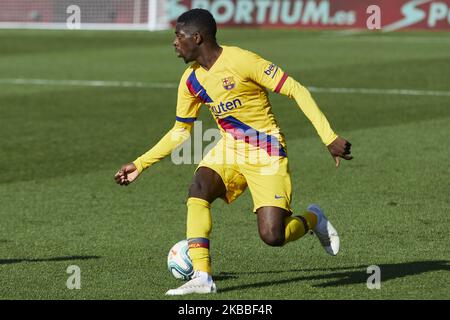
196, 89
242, 131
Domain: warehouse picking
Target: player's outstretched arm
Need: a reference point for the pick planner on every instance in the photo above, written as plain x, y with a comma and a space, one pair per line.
272, 77
337, 146
177, 135
340, 148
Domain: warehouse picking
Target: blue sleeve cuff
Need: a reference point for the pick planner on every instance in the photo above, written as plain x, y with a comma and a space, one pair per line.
186, 119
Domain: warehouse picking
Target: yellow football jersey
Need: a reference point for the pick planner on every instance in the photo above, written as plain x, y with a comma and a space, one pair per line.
235, 91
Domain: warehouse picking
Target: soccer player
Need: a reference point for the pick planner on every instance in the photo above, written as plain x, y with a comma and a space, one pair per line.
252, 153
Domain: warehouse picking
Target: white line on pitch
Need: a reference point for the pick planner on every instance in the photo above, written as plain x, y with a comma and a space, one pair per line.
89, 83
167, 85
405, 92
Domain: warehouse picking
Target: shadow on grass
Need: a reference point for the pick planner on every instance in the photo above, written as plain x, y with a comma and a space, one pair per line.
68, 258
341, 276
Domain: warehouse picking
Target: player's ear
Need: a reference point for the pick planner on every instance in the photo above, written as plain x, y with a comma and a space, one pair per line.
197, 38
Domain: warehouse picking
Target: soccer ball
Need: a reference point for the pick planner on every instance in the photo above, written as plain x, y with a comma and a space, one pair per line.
179, 262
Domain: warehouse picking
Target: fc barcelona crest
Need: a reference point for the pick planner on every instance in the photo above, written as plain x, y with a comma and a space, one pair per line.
228, 83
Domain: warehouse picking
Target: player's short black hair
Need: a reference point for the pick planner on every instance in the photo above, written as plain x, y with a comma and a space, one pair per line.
200, 19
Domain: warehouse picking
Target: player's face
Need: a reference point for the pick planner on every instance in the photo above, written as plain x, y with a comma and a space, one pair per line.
185, 44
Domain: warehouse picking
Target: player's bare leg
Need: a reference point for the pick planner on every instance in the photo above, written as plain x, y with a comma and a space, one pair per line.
207, 186
271, 225
277, 227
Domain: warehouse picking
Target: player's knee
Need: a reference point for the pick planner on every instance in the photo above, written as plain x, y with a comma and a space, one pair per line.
196, 189
201, 190
273, 239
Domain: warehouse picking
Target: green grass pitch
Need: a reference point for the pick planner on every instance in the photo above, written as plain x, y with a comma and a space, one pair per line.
61, 145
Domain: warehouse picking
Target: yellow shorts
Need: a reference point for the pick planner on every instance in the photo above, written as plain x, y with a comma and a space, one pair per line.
267, 177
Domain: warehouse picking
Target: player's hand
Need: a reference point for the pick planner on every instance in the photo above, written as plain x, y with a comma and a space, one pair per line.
127, 174
340, 148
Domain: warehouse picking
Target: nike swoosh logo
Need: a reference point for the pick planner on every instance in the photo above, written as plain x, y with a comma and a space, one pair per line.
278, 197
